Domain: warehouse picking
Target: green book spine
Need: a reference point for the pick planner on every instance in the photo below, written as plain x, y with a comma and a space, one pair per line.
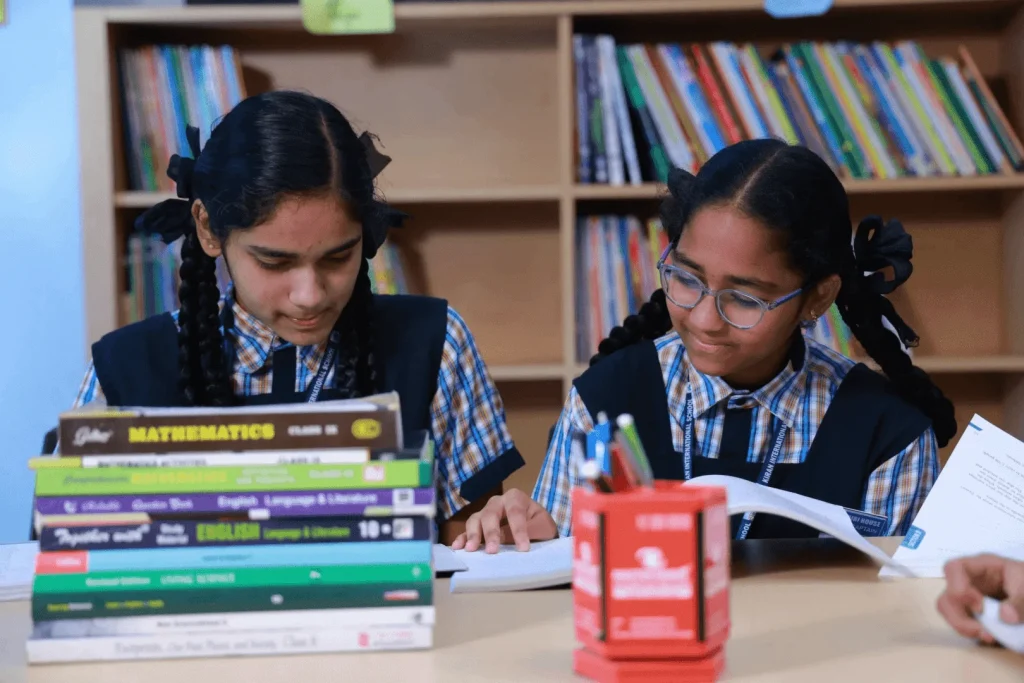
232, 479
659, 160
959, 117
918, 110
847, 140
158, 601
188, 579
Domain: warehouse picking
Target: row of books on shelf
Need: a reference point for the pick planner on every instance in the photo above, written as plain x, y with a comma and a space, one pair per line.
152, 274
871, 110
165, 87
617, 271
209, 533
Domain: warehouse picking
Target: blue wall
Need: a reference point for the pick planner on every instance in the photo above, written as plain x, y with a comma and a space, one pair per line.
42, 344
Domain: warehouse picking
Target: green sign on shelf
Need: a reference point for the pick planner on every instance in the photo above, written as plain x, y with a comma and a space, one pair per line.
339, 17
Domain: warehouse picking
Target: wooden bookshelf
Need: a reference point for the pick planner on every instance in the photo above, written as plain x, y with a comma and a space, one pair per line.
475, 103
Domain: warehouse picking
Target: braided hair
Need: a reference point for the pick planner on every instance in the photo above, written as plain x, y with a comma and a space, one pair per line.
791, 190
270, 147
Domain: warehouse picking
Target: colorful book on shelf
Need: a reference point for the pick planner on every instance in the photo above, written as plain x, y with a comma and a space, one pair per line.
870, 110
165, 87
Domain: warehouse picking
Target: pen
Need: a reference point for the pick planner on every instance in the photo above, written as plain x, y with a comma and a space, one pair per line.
624, 475
603, 434
630, 440
591, 472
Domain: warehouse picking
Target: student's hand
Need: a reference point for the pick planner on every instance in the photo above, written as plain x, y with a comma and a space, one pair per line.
527, 520
969, 579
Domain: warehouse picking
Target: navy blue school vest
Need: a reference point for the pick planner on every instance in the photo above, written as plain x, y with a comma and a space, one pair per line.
865, 425
137, 365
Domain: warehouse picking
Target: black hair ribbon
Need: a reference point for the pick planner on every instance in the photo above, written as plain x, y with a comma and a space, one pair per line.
879, 245
172, 218
387, 217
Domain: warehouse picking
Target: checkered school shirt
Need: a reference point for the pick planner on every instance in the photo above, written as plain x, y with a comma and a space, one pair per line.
467, 415
896, 489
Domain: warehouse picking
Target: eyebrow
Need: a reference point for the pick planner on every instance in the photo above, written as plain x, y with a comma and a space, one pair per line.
737, 280
268, 252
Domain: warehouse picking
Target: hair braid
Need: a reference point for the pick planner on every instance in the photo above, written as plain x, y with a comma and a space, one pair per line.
650, 322
217, 387
355, 372
189, 337
862, 312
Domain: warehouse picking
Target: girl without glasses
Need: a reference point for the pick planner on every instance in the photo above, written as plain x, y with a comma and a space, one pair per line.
284, 192
718, 376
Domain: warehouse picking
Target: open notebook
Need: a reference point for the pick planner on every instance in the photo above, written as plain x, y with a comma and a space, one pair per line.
549, 563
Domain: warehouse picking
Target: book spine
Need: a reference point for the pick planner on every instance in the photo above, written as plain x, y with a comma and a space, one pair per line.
659, 162
585, 165
595, 109
248, 643
992, 149
224, 622
205, 533
606, 45
259, 505
52, 563
159, 601
112, 433
138, 480
171, 580
324, 456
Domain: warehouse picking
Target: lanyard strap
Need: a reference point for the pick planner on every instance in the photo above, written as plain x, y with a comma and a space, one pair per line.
767, 465
326, 364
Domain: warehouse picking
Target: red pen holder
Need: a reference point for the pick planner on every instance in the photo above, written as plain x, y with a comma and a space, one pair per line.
651, 581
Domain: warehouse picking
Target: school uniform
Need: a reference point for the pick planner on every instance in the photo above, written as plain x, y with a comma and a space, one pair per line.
843, 435
422, 349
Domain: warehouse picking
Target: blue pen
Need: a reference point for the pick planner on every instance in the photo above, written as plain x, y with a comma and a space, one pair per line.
602, 437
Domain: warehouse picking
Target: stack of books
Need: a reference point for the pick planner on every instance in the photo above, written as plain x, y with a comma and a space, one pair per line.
170, 533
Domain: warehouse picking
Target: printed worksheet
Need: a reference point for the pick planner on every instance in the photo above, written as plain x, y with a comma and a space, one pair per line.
975, 506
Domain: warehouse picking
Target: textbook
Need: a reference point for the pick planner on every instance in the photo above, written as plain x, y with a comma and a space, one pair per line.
371, 422
271, 529
549, 563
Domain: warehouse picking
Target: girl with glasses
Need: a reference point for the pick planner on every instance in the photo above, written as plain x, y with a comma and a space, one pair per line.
720, 379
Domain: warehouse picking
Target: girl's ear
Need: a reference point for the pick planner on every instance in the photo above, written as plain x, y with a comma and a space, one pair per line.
209, 242
820, 298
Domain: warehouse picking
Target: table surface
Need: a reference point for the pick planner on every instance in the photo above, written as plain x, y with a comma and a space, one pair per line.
802, 611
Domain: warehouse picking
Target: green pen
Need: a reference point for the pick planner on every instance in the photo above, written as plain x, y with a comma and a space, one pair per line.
630, 440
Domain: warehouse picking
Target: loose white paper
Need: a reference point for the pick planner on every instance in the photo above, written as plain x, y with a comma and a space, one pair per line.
17, 568
975, 506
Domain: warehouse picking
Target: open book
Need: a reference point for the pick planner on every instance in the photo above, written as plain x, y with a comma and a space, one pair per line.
975, 506
549, 563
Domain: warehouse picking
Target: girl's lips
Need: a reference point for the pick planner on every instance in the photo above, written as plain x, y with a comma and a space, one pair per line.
706, 347
307, 323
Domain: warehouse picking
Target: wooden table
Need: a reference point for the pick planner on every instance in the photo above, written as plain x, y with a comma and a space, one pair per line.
802, 612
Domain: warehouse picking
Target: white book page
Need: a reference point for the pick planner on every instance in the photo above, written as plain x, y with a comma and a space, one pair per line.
975, 506
545, 564
746, 496
445, 560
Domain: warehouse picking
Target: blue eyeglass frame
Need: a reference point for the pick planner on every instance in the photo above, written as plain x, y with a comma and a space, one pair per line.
664, 269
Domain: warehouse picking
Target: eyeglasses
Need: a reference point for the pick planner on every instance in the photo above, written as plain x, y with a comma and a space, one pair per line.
737, 308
